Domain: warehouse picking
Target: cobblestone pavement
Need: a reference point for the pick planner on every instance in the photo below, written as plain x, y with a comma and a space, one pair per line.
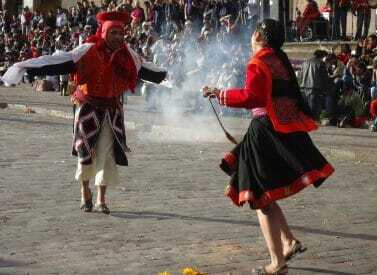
169, 211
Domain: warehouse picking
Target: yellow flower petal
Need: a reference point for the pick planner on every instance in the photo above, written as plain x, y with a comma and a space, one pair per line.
191, 271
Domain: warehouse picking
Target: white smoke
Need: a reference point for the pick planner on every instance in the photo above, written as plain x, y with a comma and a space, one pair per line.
186, 115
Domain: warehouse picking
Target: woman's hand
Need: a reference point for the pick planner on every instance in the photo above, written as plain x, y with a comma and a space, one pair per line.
210, 91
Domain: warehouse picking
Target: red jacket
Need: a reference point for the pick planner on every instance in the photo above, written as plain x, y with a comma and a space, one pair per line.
283, 112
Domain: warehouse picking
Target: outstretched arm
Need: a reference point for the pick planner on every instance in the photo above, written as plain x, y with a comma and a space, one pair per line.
253, 94
148, 71
62, 63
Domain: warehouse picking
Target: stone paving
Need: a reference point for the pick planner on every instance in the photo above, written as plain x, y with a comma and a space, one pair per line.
169, 211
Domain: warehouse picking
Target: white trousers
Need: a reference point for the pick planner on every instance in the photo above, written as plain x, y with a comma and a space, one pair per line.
103, 168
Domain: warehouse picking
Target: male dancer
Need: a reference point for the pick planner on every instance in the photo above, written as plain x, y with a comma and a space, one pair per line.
104, 67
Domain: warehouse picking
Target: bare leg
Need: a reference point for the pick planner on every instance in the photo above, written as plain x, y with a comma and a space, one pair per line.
286, 235
270, 226
101, 192
85, 191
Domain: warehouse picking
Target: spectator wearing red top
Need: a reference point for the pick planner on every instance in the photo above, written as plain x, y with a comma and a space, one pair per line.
34, 50
345, 53
310, 14
137, 15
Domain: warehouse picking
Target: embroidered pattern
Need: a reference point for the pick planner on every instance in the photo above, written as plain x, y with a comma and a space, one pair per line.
286, 110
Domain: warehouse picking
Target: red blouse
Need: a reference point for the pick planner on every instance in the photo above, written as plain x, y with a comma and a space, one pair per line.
283, 112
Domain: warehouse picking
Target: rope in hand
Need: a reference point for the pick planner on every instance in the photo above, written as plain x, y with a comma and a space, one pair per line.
228, 136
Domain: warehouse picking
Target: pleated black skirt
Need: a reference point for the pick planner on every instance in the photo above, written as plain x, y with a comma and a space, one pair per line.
268, 166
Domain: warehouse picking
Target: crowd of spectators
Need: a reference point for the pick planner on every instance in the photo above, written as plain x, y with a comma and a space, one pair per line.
341, 88
204, 42
192, 39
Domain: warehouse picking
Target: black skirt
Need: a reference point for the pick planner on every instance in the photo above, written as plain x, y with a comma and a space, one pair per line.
267, 165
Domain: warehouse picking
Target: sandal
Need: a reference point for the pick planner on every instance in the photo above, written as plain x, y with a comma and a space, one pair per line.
87, 206
297, 249
102, 207
262, 271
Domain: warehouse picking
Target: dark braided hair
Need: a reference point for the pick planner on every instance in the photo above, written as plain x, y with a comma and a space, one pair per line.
273, 33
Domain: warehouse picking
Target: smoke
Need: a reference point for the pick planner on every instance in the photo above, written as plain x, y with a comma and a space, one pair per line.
191, 65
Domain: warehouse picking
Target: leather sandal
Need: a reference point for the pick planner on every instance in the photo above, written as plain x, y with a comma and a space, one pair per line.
102, 207
262, 271
298, 248
87, 206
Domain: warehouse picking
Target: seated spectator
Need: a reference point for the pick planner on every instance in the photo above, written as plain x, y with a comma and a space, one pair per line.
345, 53
355, 99
369, 49
335, 70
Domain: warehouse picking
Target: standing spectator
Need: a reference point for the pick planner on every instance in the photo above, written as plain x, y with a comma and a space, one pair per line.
173, 14
314, 81
138, 15
51, 20
160, 19
311, 13
339, 25
26, 18
73, 18
7, 21
91, 19
253, 11
363, 13
126, 6
61, 18
194, 11
36, 19
150, 14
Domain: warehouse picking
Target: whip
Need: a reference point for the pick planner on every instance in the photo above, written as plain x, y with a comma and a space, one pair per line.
228, 136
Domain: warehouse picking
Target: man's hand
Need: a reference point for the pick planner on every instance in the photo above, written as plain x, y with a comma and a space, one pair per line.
210, 91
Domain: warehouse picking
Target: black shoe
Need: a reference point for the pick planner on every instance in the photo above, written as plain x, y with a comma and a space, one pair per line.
87, 206
102, 207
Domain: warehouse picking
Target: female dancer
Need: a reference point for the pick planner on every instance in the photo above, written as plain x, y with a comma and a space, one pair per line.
276, 158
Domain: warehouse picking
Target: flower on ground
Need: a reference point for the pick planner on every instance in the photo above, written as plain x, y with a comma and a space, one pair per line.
191, 271
164, 273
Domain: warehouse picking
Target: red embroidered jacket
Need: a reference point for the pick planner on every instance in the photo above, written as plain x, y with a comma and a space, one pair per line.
283, 111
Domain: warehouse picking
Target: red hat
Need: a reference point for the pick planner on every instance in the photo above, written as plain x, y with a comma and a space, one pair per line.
108, 20
123, 17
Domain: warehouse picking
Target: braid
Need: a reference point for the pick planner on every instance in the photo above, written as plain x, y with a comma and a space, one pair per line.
273, 33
